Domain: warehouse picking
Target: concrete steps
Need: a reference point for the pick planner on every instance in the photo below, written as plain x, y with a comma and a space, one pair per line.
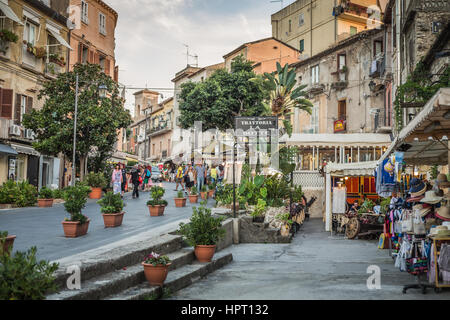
176, 280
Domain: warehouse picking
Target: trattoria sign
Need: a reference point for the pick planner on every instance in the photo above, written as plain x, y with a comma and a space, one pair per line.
256, 123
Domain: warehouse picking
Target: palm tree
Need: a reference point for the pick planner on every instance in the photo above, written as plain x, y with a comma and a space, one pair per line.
283, 97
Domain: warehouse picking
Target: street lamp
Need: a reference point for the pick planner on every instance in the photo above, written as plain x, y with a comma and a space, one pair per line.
102, 91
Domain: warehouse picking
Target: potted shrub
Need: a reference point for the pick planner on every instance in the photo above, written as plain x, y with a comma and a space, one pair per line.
45, 198
287, 223
204, 193
6, 242
156, 268
180, 200
258, 212
203, 232
6, 37
97, 182
76, 197
212, 189
111, 208
157, 205
193, 196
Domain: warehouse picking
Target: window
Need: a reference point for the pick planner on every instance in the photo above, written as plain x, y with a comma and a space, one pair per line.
314, 124
342, 62
315, 74
2, 20
290, 26
23, 107
30, 33
54, 45
102, 23
302, 45
377, 47
84, 54
342, 110
301, 19
84, 12
353, 30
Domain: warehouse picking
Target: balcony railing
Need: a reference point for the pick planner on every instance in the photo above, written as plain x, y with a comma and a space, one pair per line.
159, 129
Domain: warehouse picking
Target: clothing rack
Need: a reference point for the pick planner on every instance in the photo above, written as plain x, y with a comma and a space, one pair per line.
436, 252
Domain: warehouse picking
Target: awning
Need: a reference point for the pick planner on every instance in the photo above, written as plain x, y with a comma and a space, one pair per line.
425, 138
55, 33
326, 140
5, 149
25, 150
351, 169
9, 13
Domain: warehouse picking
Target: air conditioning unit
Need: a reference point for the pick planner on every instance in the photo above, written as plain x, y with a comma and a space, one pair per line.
15, 130
29, 134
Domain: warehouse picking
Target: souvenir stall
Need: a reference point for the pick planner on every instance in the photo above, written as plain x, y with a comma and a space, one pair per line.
417, 206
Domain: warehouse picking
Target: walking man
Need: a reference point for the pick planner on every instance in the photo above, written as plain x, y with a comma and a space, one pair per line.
135, 175
199, 176
179, 177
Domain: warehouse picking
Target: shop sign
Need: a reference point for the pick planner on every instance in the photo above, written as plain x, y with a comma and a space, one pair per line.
12, 168
339, 126
256, 124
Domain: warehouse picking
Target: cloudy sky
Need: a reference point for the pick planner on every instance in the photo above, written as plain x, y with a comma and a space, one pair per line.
150, 35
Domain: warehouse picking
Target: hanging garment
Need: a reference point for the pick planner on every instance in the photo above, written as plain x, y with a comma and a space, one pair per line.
339, 200
444, 258
403, 254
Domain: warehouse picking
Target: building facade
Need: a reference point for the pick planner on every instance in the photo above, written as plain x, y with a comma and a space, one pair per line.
39, 54
312, 26
159, 131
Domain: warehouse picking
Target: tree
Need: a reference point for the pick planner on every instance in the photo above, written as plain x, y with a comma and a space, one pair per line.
99, 118
222, 96
283, 97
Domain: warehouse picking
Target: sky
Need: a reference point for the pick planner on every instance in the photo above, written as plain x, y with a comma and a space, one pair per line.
150, 36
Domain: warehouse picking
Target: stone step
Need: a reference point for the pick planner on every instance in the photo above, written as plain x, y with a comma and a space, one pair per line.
94, 264
119, 280
176, 279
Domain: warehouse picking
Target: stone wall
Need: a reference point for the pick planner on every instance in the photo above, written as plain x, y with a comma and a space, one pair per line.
318, 208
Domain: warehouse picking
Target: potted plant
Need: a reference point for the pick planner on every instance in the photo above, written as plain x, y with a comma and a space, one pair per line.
204, 193
6, 37
97, 182
76, 197
203, 232
287, 223
212, 189
156, 268
258, 212
157, 205
45, 198
111, 208
6, 241
180, 200
193, 196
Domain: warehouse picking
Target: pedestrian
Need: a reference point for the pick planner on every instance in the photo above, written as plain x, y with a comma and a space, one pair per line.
172, 173
179, 177
124, 179
116, 179
213, 174
199, 176
135, 175
221, 174
149, 175
191, 178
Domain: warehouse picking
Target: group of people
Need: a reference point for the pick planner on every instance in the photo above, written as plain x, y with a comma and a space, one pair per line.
139, 176
200, 174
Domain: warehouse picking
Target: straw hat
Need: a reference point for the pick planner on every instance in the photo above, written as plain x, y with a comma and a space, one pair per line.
442, 234
443, 213
431, 198
414, 199
417, 187
442, 181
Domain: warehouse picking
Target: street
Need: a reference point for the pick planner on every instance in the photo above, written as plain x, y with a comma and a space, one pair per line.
41, 227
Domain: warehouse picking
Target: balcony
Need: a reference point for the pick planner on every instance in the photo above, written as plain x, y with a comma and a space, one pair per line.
378, 66
316, 88
339, 85
161, 129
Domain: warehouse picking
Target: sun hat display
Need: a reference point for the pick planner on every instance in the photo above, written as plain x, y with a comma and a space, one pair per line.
414, 199
425, 211
443, 213
431, 198
417, 187
442, 234
442, 181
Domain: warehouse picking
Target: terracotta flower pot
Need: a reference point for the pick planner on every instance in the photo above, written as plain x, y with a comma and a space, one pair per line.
75, 229
210, 193
193, 199
180, 202
8, 245
96, 193
156, 275
45, 203
204, 195
204, 253
156, 211
113, 220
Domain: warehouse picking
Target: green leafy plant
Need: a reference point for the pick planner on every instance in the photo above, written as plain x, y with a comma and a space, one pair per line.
9, 192
180, 194
367, 206
157, 259
45, 193
8, 36
203, 228
277, 190
212, 186
96, 180
75, 201
297, 194
22, 277
111, 203
259, 209
384, 205
58, 194
27, 195
3, 235
285, 217
204, 189
157, 193
194, 191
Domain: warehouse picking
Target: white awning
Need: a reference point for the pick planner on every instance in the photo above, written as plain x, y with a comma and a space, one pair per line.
55, 33
25, 150
9, 13
325, 140
351, 169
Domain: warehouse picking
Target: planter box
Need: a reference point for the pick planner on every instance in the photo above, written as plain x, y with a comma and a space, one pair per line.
180, 202
96, 193
45, 203
75, 229
156, 211
9, 242
193, 199
113, 220
156, 275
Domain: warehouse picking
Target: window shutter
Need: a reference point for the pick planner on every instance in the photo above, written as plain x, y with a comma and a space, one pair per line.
29, 107
80, 52
116, 74
17, 109
7, 101
107, 67
91, 57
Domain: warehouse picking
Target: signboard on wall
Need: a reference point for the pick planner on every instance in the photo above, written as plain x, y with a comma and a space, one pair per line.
12, 168
256, 123
339, 126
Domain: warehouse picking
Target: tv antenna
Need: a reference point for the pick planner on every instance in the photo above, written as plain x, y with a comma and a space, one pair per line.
279, 1
188, 55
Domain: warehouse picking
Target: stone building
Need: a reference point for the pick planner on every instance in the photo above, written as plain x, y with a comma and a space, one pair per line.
40, 53
159, 131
